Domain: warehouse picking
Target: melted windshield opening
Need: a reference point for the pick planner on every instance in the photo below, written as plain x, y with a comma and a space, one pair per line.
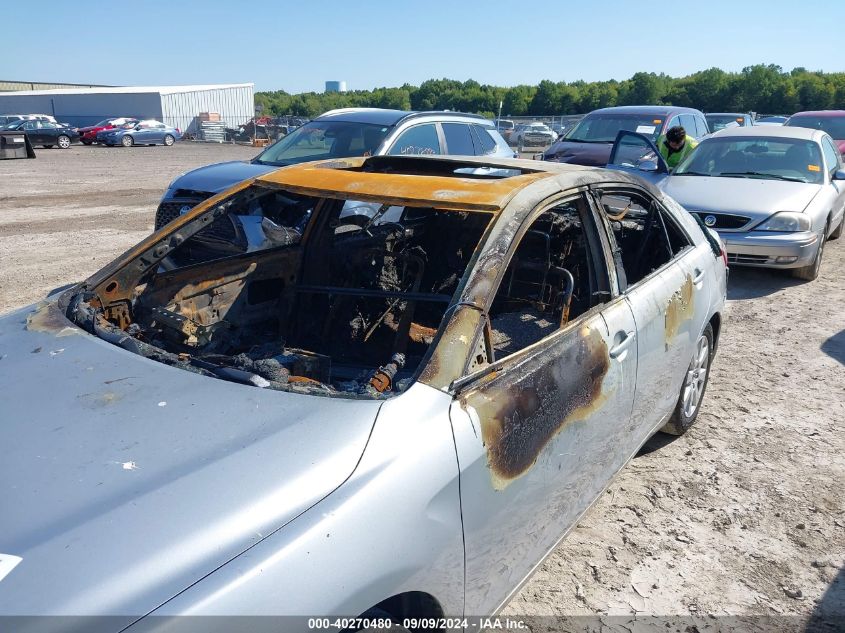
320, 140
315, 295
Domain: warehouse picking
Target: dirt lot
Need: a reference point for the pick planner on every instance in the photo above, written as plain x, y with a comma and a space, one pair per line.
744, 516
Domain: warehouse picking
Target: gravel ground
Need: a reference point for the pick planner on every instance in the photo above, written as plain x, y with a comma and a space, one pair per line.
743, 516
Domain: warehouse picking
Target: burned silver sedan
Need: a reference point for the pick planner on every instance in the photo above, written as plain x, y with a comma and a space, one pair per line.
397, 414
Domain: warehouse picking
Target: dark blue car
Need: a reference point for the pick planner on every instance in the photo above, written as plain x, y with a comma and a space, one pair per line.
590, 142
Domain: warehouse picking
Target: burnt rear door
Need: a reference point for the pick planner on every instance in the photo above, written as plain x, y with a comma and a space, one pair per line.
537, 431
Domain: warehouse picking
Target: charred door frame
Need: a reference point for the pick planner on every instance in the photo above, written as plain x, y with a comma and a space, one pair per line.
517, 420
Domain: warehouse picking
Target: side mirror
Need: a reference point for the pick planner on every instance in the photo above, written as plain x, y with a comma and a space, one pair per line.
839, 174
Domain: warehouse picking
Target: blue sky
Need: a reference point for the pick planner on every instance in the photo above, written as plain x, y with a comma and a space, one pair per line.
297, 46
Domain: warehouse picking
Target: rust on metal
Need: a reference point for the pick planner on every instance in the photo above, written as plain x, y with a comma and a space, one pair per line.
48, 318
450, 354
444, 192
679, 309
527, 406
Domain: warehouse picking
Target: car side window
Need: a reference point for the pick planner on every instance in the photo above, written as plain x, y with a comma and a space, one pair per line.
29, 125
485, 142
458, 139
552, 278
675, 120
420, 139
688, 121
645, 237
701, 124
831, 156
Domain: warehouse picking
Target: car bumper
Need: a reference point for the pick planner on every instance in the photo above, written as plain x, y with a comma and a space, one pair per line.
770, 250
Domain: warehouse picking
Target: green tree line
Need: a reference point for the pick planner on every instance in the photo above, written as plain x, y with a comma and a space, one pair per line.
761, 88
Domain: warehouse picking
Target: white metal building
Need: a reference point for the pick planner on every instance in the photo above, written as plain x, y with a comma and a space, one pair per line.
178, 106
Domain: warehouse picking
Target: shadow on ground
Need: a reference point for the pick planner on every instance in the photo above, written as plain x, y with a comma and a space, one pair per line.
835, 347
829, 614
655, 443
752, 283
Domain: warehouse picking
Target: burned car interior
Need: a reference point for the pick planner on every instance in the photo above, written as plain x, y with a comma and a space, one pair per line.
645, 234
550, 280
331, 296
343, 305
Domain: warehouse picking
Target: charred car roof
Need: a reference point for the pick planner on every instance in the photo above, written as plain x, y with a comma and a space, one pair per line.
451, 183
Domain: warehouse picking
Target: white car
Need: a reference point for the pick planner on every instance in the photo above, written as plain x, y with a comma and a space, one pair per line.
532, 135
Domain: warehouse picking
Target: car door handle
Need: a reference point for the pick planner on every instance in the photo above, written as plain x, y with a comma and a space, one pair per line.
626, 339
699, 276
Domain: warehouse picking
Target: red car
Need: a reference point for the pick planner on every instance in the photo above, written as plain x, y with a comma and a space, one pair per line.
831, 121
89, 134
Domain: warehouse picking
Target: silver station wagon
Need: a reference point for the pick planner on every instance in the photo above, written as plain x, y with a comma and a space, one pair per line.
388, 417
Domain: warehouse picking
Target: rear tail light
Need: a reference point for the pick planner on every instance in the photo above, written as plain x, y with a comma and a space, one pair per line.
724, 253
178, 131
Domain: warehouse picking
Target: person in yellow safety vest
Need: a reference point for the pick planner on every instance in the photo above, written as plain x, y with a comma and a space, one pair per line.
675, 146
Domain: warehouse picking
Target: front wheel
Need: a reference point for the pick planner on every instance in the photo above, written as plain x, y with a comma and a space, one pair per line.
169, 140
811, 271
693, 387
127, 141
63, 141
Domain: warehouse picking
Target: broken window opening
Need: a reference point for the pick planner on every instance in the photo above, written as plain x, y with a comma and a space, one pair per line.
550, 281
645, 234
349, 310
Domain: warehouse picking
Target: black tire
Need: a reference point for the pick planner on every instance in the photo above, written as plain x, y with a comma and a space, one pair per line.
837, 233
169, 140
63, 141
127, 141
693, 386
381, 614
810, 272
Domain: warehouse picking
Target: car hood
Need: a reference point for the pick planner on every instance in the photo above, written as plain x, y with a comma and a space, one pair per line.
590, 154
755, 198
220, 176
91, 128
123, 481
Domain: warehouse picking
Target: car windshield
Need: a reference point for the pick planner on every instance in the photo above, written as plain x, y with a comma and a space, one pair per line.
717, 122
11, 126
835, 126
603, 128
755, 157
324, 139
103, 123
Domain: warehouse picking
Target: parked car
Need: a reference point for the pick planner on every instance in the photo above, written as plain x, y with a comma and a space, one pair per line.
775, 195
337, 134
45, 133
505, 127
89, 133
532, 135
590, 141
831, 121
146, 132
423, 406
719, 120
